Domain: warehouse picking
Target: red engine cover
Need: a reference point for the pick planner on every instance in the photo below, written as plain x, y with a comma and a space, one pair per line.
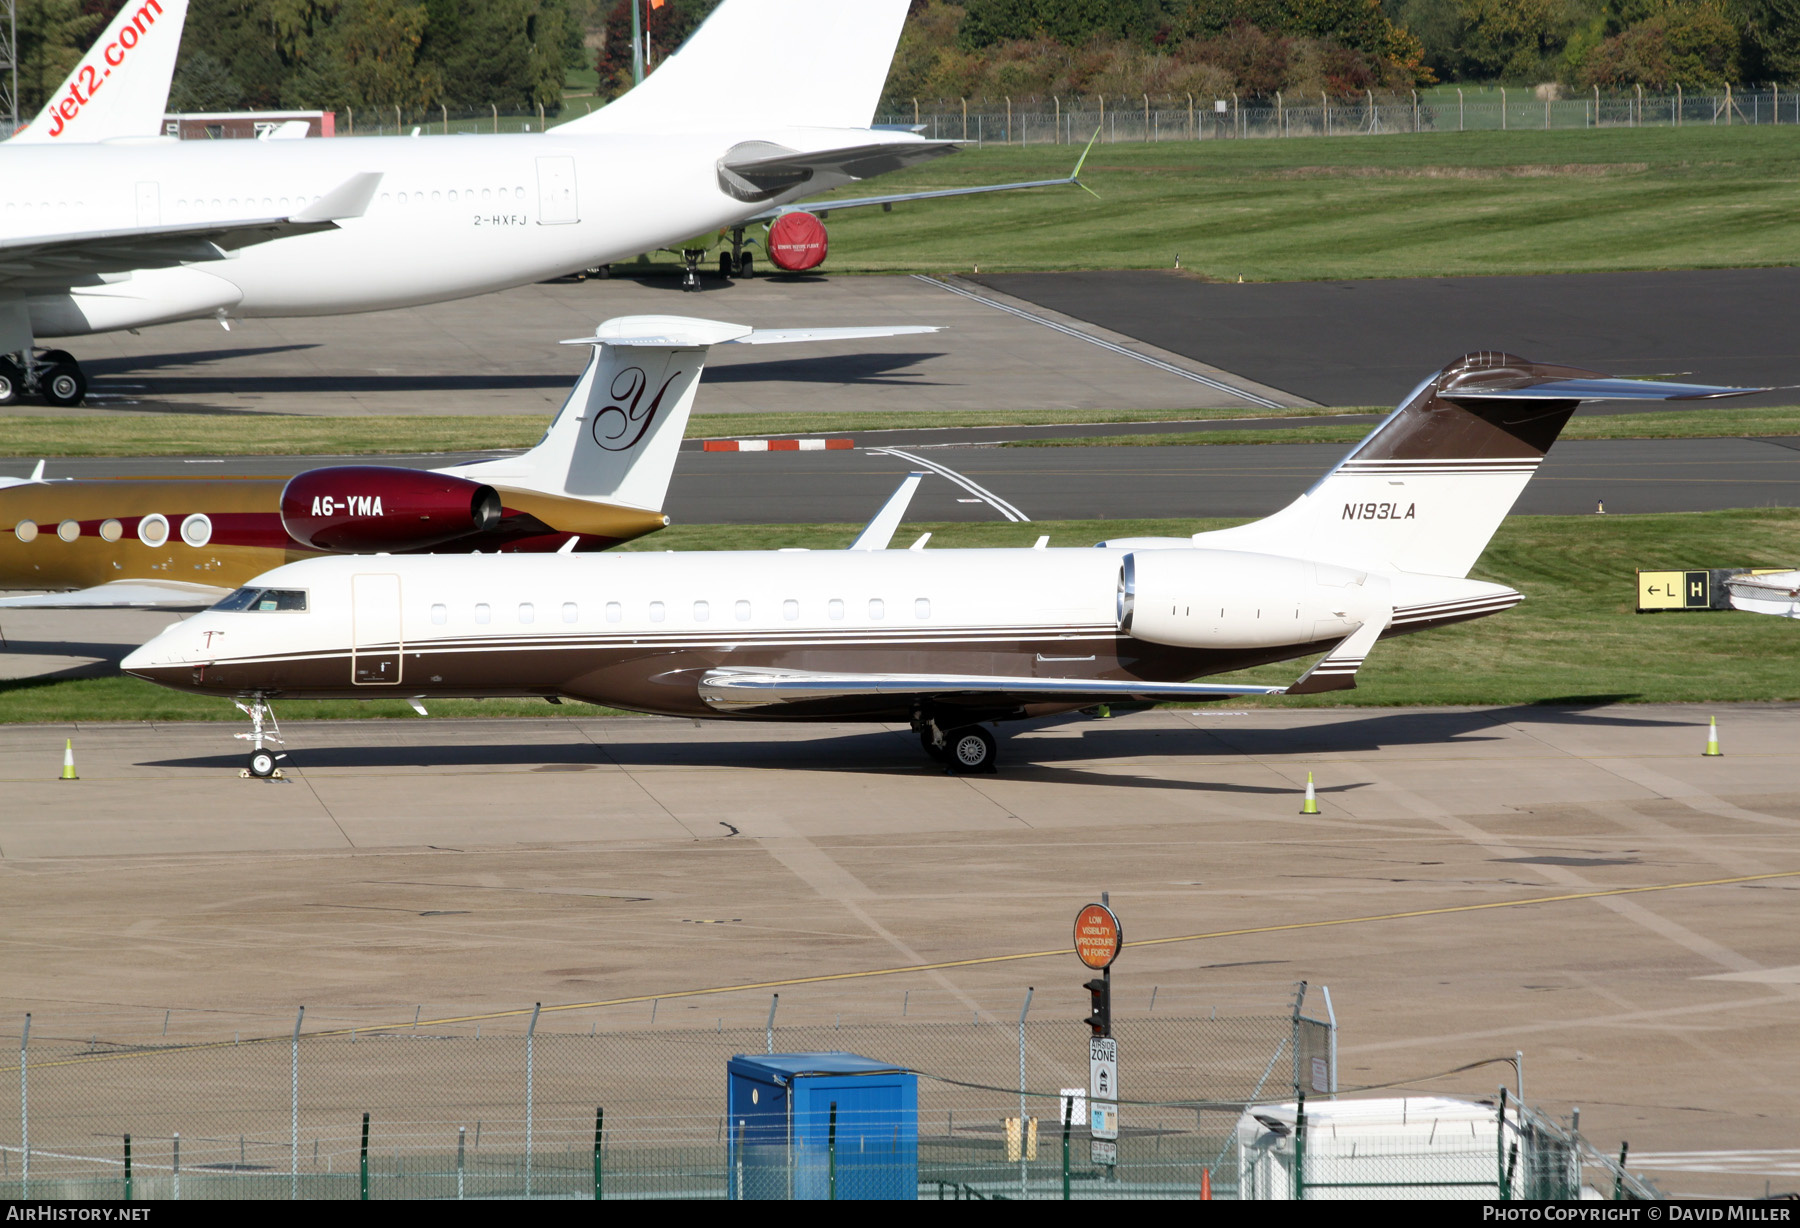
796, 242
356, 509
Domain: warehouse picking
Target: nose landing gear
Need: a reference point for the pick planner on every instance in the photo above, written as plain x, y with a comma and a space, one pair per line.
262, 762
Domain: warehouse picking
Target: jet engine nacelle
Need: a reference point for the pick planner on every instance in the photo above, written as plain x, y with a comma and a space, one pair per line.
360, 509
1229, 599
797, 242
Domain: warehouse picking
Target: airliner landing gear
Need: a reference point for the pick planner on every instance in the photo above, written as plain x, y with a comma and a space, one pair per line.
690, 274
737, 262
261, 761
53, 374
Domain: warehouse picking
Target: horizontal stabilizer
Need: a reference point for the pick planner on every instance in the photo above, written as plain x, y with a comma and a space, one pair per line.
880, 531
123, 595
683, 331
1597, 390
730, 689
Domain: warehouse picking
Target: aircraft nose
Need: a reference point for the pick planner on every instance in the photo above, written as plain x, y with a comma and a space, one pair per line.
140, 658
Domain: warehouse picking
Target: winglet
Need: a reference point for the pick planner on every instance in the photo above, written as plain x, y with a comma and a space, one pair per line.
1075, 175
880, 531
1336, 670
349, 199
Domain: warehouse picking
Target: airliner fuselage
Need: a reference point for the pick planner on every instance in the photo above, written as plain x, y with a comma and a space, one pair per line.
453, 216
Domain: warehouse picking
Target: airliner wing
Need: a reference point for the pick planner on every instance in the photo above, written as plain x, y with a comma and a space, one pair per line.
760, 170
123, 595
81, 256
729, 690
823, 207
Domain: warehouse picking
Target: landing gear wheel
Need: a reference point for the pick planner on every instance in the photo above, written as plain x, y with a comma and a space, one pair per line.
262, 764
747, 266
972, 750
63, 384
725, 269
12, 381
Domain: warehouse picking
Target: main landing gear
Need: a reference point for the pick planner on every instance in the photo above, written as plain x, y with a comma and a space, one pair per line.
966, 750
262, 761
51, 374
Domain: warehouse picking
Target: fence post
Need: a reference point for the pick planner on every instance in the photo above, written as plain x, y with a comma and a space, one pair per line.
831, 1154
24, 1114
1596, 106
175, 1166
1415, 95
1505, 1190
965, 111
1503, 108
445, 112
1300, 1147
1057, 138
294, 1110
1294, 1039
1008, 98
769, 1028
1459, 109
1024, 1173
364, 1183
1280, 116
1103, 112
1068, 1112
530, 1045
915, 112
1190, 99
600, 1122
462, 1136
495, 108
1331, 1018
1678, 104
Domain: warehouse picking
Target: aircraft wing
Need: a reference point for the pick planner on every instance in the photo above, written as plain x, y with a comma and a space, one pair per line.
761, 170
123, 595
81, 257
729, 690
823, 207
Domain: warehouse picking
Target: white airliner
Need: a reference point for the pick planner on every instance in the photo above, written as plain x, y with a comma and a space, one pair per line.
945, 639
145, 230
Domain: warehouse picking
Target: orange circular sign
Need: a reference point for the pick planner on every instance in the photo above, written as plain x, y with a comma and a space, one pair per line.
1097, 936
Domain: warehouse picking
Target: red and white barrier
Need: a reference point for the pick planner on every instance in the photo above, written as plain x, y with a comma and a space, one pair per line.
777, 445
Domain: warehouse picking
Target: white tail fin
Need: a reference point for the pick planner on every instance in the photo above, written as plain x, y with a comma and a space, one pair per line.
121, 86
1426, 490
616, 437
754, 63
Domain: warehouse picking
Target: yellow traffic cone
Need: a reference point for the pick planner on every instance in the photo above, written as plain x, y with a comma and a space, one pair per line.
1712, 739
68, 772
1311, 804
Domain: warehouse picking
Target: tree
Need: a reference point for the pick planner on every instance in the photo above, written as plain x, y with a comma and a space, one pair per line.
52, 36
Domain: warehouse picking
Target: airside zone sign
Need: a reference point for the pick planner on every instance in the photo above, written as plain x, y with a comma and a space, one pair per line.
1097, 936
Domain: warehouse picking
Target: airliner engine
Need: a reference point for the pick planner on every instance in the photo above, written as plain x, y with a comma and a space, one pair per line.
360, 509
796, 242
1192, 598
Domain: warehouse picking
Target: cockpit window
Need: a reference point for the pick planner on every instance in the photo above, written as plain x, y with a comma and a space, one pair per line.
260, 600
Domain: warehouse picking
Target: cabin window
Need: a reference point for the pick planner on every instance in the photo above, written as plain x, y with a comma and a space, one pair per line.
836, 608
527, 612
483, 615
440, 614
614, 612
196, 530
742, 610
111, 530
571, 612
265, 600
701, 612
922, 607
656, 611
26, 530
69, 530
877, 610
790, 609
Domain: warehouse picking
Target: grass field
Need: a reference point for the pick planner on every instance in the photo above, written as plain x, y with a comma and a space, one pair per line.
200, 435
1575, 639
1675, 424
1429, 205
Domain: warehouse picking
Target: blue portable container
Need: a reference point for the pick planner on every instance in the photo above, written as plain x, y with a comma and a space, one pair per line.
783, 1140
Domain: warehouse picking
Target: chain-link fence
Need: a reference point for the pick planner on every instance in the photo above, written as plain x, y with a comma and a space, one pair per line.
1143, 118
450, 1110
